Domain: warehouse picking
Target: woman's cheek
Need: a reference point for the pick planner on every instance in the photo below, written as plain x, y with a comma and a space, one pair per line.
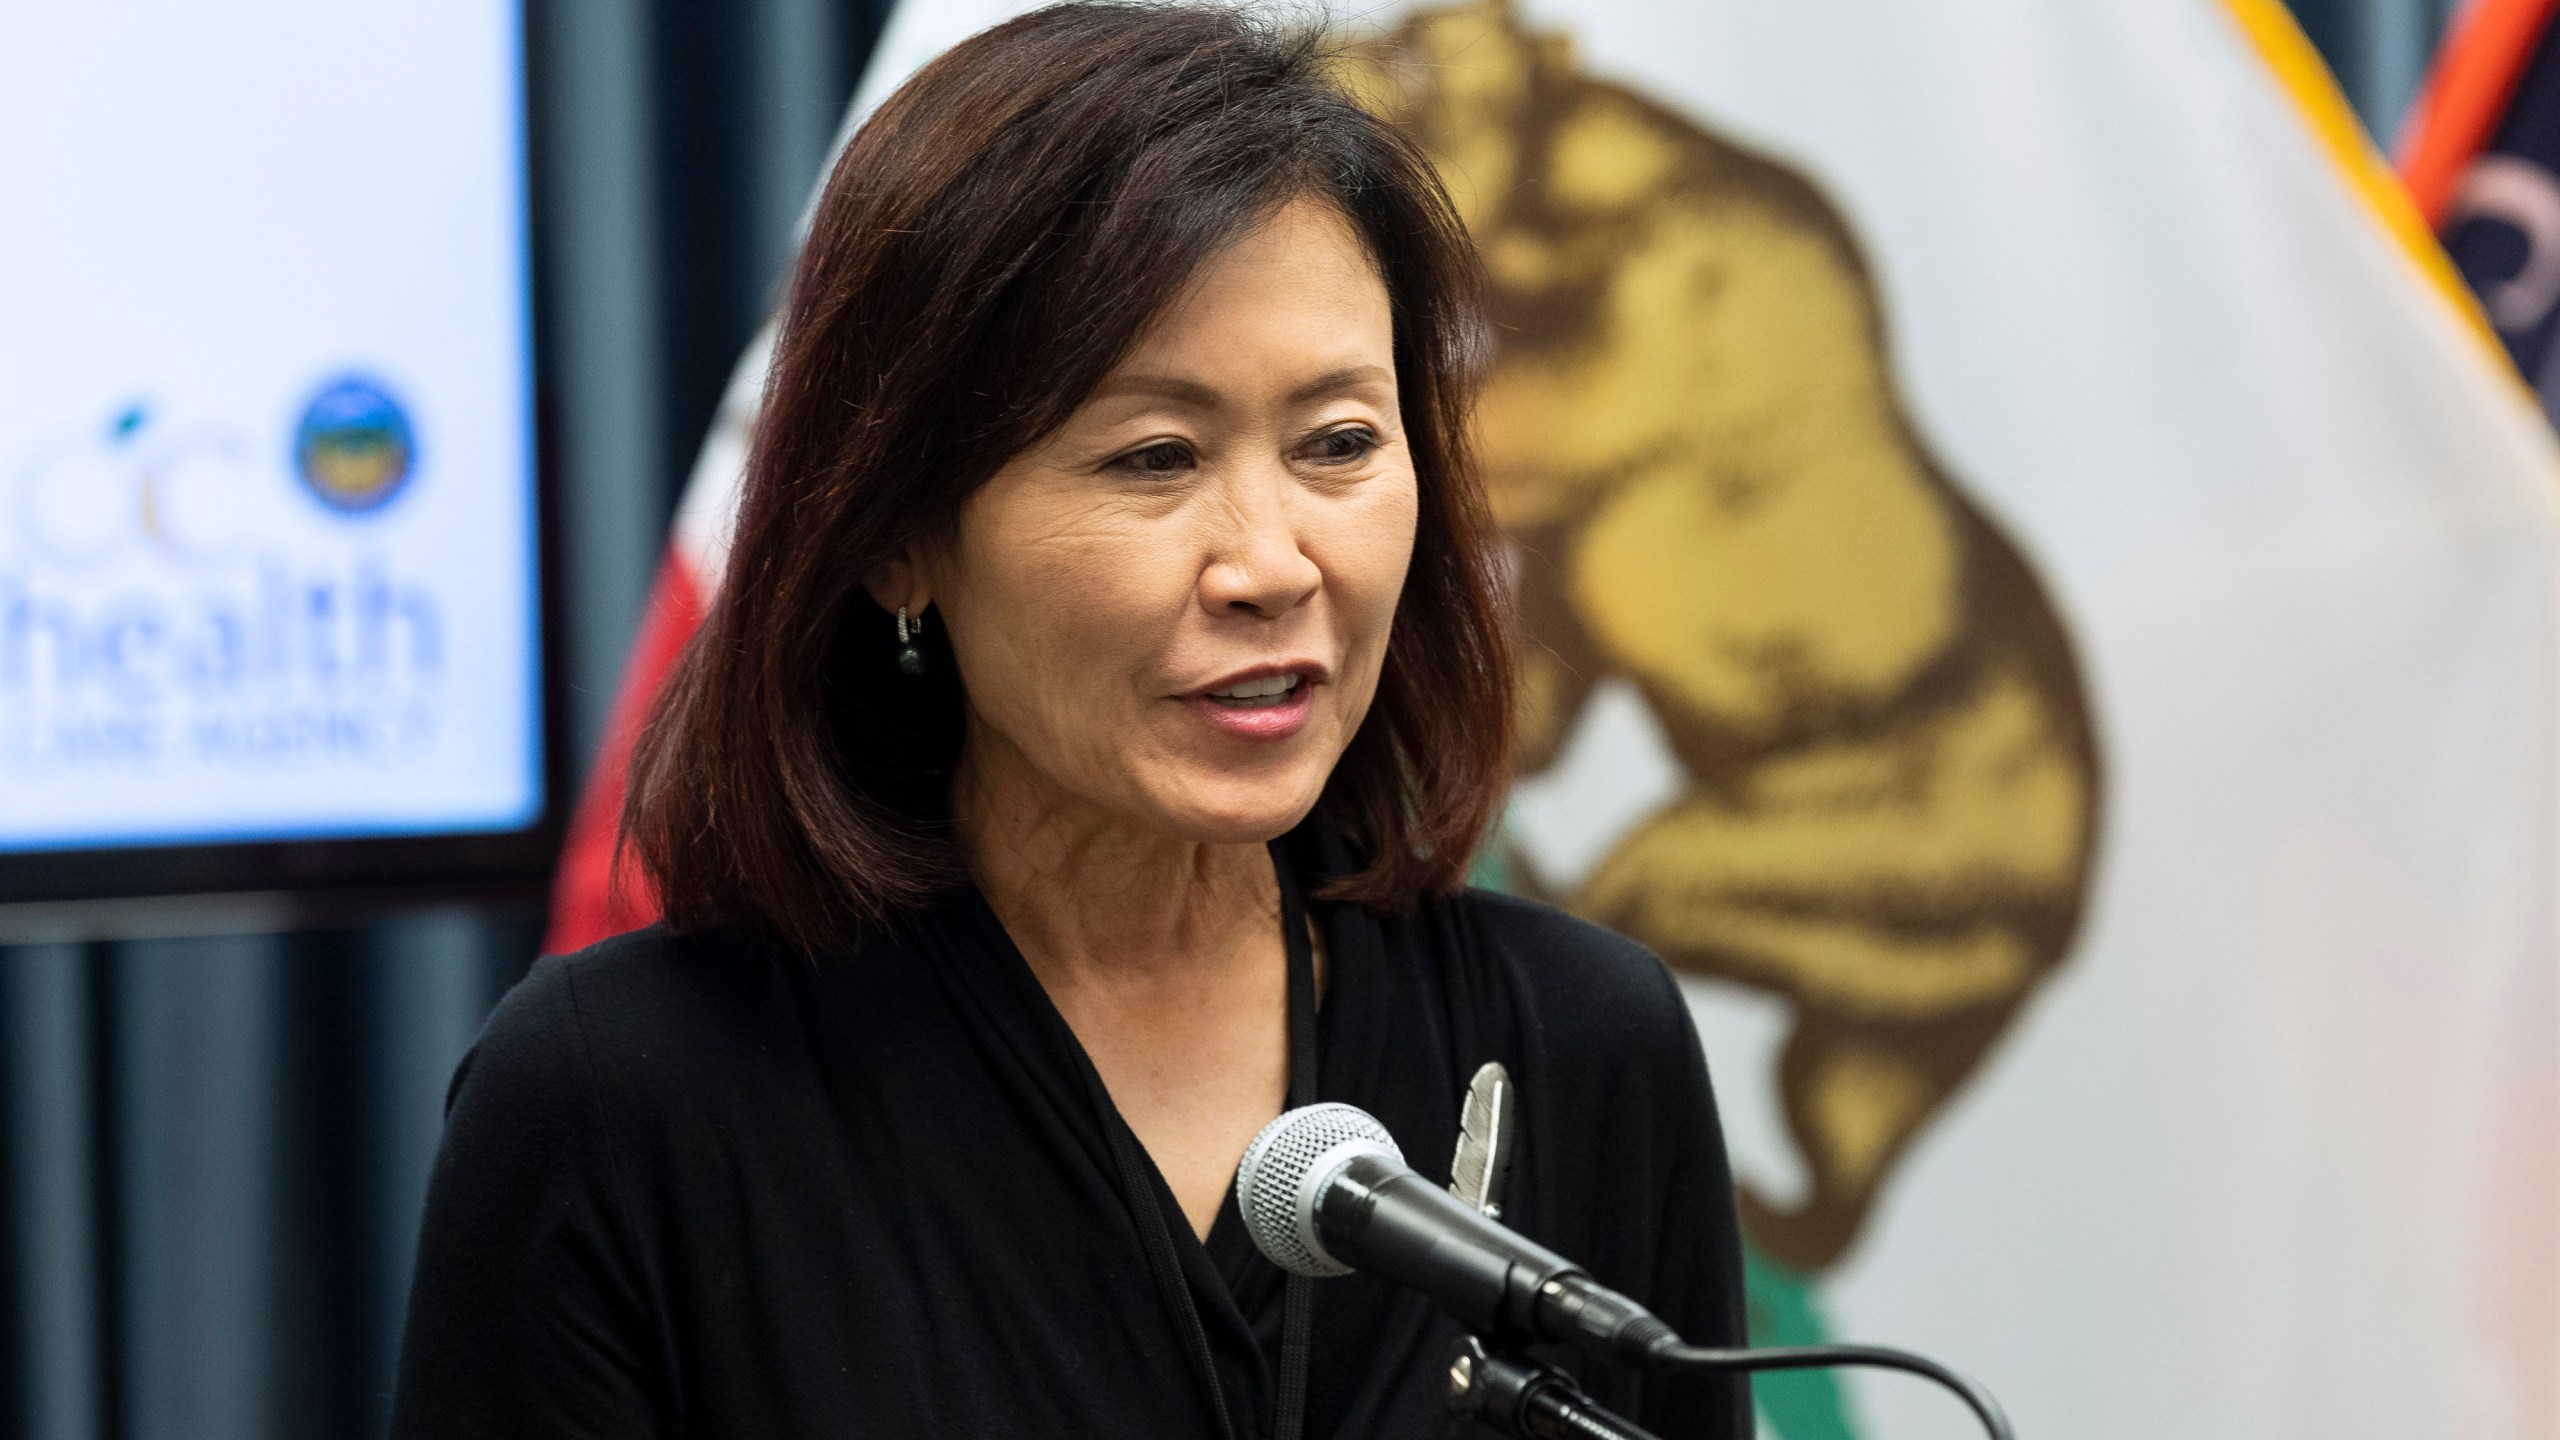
1381, 551
1080, 580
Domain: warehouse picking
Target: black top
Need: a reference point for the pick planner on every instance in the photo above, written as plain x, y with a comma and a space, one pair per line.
691, 1186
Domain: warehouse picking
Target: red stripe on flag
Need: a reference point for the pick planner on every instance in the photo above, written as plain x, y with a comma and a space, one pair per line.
589, 900
2466, 95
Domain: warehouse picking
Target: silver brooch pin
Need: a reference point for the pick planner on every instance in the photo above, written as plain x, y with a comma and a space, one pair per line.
1485, 1128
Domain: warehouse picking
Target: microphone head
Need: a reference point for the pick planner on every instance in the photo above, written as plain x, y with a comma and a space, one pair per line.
1285, 1172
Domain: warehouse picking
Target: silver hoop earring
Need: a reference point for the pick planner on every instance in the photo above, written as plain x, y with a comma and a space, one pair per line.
910, 659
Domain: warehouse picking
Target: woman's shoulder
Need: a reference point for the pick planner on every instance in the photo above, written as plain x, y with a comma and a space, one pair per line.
645, 1010
1588, 987
641, 979
1564, 938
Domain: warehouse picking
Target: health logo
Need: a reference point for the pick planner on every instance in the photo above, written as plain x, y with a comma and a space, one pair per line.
354, 448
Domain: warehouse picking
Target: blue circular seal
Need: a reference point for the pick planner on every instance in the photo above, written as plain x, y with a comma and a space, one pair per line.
354, 447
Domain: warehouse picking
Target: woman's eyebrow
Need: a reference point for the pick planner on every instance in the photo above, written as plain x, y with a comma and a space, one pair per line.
1334, 382
1159, 387
1142, 385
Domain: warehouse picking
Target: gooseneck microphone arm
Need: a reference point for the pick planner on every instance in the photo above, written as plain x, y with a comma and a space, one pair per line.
1325, 1191
1512, 1396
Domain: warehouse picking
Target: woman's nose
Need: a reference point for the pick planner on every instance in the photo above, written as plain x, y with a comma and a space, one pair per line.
1258, 562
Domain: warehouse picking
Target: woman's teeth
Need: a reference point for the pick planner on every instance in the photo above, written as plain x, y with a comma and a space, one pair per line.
1267, 688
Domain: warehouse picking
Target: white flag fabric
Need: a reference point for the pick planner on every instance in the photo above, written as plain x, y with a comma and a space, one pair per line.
2044, 612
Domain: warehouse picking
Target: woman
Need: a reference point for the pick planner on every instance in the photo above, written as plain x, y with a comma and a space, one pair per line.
1110, 684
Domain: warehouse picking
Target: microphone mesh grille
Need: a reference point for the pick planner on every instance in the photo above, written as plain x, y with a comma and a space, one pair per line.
1273, 1184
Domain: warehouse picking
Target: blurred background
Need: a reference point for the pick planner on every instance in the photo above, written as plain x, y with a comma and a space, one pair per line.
216, 1146
215, 1138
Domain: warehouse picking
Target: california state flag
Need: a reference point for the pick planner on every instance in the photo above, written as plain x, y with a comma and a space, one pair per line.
2042, 609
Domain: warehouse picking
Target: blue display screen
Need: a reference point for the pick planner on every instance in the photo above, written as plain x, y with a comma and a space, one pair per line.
267, 498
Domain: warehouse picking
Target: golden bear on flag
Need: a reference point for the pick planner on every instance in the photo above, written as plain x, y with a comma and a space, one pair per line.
1692, 434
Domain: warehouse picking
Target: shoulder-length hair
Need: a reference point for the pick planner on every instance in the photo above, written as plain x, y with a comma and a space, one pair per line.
988, 247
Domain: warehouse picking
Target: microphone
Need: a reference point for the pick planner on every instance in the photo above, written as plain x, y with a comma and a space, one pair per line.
1324, 1191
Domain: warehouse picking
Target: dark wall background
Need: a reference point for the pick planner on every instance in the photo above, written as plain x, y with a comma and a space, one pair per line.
213, 1147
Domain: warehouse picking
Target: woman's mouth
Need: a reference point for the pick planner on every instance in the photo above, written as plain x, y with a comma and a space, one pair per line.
1267, 691
1263, 707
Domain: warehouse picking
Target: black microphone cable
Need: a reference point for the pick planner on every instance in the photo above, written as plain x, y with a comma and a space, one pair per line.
1678, 1356
1324, 1191
1521, 1397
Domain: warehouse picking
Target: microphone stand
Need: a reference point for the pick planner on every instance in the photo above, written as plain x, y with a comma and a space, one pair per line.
1515, 1396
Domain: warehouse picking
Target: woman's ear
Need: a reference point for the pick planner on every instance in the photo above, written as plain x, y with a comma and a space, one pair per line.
901, 581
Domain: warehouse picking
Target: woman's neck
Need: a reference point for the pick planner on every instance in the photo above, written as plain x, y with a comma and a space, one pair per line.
1164, 956
1089, 896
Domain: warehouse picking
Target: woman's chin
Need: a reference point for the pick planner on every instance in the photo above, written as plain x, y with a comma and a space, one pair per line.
1239, 811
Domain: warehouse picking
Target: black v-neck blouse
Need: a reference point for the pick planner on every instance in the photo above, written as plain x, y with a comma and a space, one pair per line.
693, 1187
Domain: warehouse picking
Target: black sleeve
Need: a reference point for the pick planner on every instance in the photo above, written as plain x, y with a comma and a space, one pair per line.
1644, 1194
524, 1318
1700, 1279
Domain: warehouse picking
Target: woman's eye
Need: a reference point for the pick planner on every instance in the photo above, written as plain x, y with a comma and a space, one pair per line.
1165, 457
1342, 447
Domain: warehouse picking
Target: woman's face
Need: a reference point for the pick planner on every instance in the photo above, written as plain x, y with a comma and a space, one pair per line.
1172, 612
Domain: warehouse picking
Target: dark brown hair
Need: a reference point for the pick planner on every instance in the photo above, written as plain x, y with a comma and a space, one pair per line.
988, 247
